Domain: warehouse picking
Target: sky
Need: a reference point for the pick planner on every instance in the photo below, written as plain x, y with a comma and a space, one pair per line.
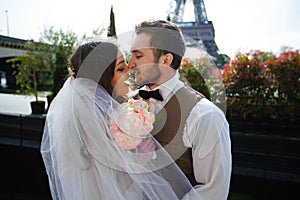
240, 25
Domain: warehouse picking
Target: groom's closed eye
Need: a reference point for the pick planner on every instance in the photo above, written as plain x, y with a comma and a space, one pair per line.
137, 54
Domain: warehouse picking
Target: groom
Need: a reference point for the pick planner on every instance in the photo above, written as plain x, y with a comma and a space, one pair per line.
192, 130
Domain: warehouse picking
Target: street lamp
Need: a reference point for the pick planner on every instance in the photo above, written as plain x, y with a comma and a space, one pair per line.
7, 26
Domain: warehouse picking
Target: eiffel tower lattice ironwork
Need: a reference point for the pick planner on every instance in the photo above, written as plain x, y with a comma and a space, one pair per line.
199, 30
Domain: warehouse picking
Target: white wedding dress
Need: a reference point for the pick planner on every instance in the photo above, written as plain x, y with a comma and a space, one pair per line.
84, 163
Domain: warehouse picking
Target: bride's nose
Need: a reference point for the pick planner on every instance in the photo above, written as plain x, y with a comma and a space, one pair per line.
127, 69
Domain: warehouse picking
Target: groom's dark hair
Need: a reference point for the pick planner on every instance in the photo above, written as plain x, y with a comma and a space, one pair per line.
166, 37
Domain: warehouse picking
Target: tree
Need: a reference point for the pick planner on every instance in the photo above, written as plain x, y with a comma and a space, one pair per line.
221, 60
168, 18
32, 68
112, 27
61, 44
97, 33
45, 62
33, 71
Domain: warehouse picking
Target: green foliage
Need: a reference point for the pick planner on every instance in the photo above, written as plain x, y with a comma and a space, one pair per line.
191, 76
45, 62
95, 34
168, 18
203, 76
61, 45
112, 27
33, 68
221, 60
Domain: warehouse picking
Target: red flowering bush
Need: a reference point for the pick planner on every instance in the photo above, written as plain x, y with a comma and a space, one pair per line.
260, 85
286, 81
247, 82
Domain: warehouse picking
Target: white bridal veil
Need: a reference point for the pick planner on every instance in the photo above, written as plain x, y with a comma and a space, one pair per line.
83, 162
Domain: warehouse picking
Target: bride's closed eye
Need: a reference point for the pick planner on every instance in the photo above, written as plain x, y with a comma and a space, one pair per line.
121, 69
120, 66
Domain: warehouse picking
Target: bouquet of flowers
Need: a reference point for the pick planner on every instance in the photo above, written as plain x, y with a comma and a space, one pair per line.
131, 122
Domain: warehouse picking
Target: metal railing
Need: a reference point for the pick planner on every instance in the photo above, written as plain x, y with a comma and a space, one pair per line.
21, 130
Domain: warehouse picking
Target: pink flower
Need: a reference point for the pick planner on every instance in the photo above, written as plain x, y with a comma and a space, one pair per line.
122, 139
131, 123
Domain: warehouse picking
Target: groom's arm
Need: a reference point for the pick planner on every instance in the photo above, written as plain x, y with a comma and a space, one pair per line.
207, 133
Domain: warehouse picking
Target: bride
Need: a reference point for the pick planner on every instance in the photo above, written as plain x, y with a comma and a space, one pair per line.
81, 157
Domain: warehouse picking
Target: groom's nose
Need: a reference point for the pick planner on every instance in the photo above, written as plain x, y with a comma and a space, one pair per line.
131, 63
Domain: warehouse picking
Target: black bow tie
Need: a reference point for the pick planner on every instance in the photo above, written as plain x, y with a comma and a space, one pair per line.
154, 94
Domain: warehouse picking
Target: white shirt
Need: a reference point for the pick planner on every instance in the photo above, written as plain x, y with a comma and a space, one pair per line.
207, 133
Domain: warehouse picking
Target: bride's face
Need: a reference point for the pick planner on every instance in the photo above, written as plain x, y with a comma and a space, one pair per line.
120, 75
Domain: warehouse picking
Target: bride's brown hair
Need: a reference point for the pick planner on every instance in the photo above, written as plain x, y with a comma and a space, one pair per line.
98, 59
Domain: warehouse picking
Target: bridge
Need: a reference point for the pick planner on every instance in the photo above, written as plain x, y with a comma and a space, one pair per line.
9, 47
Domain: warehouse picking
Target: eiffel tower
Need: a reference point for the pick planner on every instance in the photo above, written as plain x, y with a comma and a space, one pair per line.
199, 30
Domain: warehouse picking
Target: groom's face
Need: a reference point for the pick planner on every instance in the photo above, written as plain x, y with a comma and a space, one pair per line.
142, 61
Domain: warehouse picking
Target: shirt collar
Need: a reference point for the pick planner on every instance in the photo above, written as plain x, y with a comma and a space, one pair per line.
169, 86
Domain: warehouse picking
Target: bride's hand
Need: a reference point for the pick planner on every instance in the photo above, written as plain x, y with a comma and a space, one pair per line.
146, 146
146, 149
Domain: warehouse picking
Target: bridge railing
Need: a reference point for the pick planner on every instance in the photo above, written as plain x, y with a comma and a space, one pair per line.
259, 155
